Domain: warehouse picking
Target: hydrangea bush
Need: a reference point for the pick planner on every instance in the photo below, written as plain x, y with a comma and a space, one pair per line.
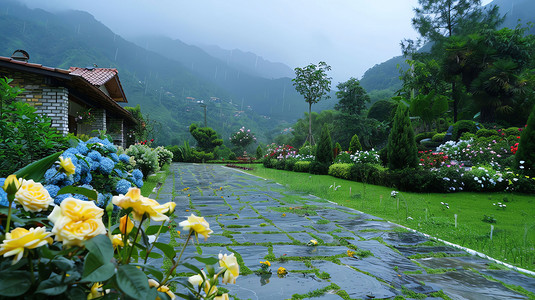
146, 158
96, 166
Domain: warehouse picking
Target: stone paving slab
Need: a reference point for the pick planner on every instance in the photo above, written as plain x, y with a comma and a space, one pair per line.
251, 204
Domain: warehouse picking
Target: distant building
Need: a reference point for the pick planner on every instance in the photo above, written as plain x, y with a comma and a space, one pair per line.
78, 100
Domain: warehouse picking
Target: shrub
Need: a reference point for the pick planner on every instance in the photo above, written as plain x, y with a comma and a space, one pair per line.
259, 152
402, 152
318, 168
242, 138
463, 126
439, 137
289, 163
201, 156
206, 138
177, 153
25, 136
232, 156
324, 152
369, 173
424, 135
340, 171
164, 156
382, 110
307, 150
487, 132
145, 157
366, 157
302, 166
337, 149
355, 145
222, 152
525, 156
343, 158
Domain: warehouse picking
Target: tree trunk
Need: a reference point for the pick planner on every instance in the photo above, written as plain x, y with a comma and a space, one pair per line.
310, 139
455, 101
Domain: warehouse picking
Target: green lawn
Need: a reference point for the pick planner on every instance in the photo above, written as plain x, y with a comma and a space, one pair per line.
150, 183
513, 239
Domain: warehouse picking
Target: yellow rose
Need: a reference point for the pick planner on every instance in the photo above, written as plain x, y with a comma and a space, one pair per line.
20, 238
141, 205
96, 291
282, 271
267, 263
76, 221
126, 225
66, 166
170, 207
162, 288
222, 297
117, 240
12, 184
33, 196
197, 224
202, 281
232, 267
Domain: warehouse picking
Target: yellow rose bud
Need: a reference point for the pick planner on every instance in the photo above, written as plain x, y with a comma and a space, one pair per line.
20, 238
162, 288
202, 281
76, 221
117, 240
197, 224
33, 196
232, 267
66, 166
282, 271
126, 225
141, 205
170, 207
11, 185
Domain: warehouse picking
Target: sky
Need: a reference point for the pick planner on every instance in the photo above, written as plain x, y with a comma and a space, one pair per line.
349, 35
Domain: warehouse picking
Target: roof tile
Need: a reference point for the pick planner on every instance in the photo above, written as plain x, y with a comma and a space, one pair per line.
96, 76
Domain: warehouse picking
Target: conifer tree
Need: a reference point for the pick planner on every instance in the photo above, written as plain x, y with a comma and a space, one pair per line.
525, 156
354, 145
324, 152
402, 151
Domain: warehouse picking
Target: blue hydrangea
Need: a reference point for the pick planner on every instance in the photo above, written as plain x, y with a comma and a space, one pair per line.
85, 165
122, 186
87, 179
82, 148
52, 190
137, 174
3, 194
76, 177
139, 183
94, 165
114, 157
120, 173
103, 199
124, 158
59, 198
106, 165
67, 182
53, 177
94, 155
71, 152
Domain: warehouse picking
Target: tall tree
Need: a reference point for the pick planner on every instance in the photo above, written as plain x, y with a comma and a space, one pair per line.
313, 84
206, 138
401, 149
352, 97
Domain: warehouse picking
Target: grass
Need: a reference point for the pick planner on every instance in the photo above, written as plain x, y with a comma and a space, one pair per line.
150, 183
513, 234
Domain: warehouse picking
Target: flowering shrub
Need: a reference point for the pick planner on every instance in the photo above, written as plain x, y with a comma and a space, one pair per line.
164, 156
146, 158
430, 159
85, 117
494, 152
243, 138
81, 254
366, 157
92, 165
280, 152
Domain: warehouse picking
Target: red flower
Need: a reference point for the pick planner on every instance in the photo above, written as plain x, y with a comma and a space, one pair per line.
152, 140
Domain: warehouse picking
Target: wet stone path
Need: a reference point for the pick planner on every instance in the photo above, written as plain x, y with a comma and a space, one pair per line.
261, 220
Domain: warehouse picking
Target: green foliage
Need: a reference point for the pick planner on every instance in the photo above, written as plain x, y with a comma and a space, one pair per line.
352, 98
483, 132
25, 136
324, 152
461, 127
259, 152
144, 127
382, 110
313, 84
146, 158
307, 149
402, 151
206, 138
223, 152
424, 135
164, 156
439, 137
341, 171
429, 107
526, 148
302, 166
354, 145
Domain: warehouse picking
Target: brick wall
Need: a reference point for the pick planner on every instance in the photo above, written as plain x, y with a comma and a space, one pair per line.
50, 101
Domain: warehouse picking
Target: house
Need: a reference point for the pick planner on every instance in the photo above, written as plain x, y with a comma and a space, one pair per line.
78, 100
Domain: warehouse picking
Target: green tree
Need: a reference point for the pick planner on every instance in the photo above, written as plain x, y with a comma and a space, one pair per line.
324, 152
313, 84
402, 151
259, 152
354, 145
206, 138
429, 107
382, 110
525, 156
352, 98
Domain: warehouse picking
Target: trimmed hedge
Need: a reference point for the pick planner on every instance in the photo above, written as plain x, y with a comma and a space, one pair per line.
463, 126
341, 171
302, 166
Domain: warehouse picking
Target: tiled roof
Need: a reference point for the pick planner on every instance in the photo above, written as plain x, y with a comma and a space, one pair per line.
96, 76
37, 66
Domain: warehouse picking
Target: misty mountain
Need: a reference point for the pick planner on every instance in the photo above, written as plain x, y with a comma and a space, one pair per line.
385, 75
249, 62
164, 88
